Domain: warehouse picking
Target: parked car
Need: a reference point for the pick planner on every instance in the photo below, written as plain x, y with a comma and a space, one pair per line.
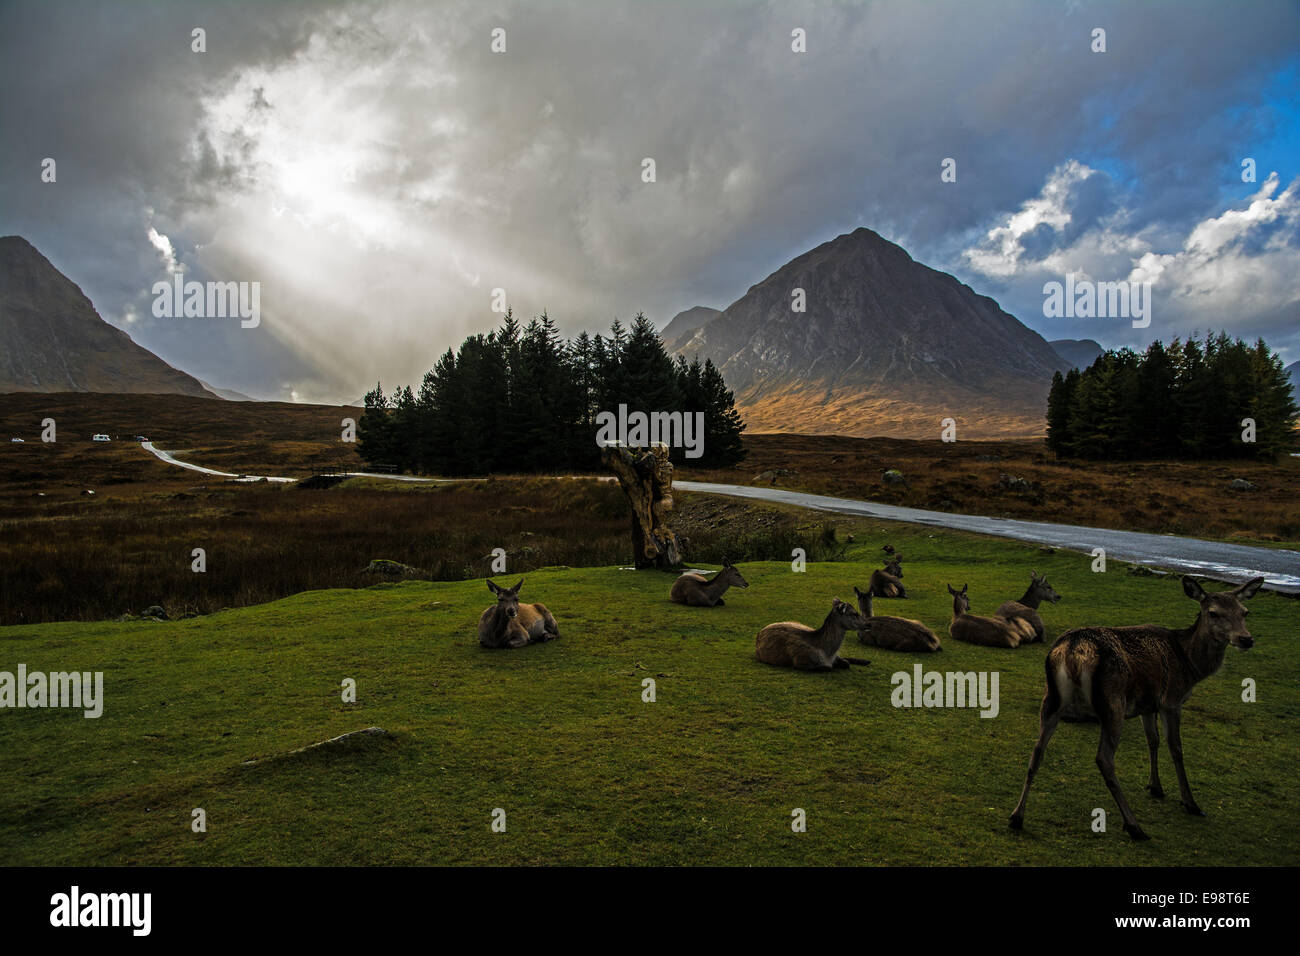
19, 440
100, 438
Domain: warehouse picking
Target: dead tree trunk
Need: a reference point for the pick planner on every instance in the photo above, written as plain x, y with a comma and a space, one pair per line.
647, 480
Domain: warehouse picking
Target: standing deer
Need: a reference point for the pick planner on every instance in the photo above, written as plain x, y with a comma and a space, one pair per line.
509, 624
986, 631
887, 583
1027, 607
791, 644
894, 633
692, 589
1113, 673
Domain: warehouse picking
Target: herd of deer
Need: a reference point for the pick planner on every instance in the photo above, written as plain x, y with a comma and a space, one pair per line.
1102, 674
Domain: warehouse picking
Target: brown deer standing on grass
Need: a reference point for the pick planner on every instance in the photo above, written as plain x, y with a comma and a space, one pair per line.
887, 583
791, 644
509, 624
985, 631
1113, 673
692, 589
894, 633
1027, 607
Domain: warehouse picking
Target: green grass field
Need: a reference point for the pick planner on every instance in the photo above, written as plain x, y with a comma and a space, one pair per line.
558, 736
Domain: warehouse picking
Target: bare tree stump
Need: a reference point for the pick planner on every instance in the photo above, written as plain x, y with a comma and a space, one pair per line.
647, 480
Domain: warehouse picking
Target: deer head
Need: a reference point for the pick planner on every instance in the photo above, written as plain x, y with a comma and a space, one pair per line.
1040, 589
732, 576
864, 600
895, 566
1223, 616
847, 616
960, 601
507, 598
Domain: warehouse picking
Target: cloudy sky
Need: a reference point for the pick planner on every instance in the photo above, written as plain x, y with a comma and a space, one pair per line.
380, 170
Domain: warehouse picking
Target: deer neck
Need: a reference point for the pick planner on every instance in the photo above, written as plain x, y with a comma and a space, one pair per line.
1203, 654
1031, 599
500, 620
716, 588
830, 635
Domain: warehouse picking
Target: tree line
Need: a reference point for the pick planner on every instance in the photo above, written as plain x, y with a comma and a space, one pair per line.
526, 400
1184, 400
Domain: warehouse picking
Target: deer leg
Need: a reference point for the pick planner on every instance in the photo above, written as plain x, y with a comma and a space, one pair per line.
1112, 721
807, 659
1173, 720
1049, 716
1153, 745
840, 663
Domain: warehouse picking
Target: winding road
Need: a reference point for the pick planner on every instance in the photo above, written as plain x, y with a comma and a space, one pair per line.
1279, 568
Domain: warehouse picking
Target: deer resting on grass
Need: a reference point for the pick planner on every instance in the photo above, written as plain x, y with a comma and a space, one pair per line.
1113, 673
509, 624
694, 590
791, 644
888, 583
986, 631
1027, 607
894, 633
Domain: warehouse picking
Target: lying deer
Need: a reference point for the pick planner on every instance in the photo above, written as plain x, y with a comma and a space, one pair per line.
692, 589
791, 644
1027, 607
887, 583
1113, 673
986, 631
510, 624
894, 633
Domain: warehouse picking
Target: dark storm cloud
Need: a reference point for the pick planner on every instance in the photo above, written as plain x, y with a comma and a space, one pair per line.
468, 170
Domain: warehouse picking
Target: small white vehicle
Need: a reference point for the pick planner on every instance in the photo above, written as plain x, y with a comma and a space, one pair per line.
100, 438
18, 440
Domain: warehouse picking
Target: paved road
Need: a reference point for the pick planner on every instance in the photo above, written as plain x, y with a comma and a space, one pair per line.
1232, 562
1279, 568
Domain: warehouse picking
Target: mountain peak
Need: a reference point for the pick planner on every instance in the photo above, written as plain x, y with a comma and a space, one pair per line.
53, 340
857, 321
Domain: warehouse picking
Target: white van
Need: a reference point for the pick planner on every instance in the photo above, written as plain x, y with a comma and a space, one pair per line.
99, 438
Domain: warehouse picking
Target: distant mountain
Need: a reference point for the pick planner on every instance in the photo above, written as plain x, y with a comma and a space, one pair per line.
1077, 353
229, 394
53, 340
885, 346
1293, 370
683, 324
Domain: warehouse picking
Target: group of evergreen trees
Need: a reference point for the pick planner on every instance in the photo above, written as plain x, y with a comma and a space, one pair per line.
524, 400
1184, 400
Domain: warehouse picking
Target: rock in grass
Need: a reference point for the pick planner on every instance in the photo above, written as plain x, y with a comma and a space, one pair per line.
893, 476
154, 611
1241, 484
351, 736
389, 569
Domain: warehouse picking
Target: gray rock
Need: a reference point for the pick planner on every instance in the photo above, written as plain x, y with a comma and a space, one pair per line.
389, 569
1241, 484
154, 611
892, 476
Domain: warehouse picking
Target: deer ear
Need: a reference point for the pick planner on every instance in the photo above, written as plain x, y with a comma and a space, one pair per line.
1192, 589
515, 589
1247, 590
856, 591
493, 588
951, 591
964, 587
